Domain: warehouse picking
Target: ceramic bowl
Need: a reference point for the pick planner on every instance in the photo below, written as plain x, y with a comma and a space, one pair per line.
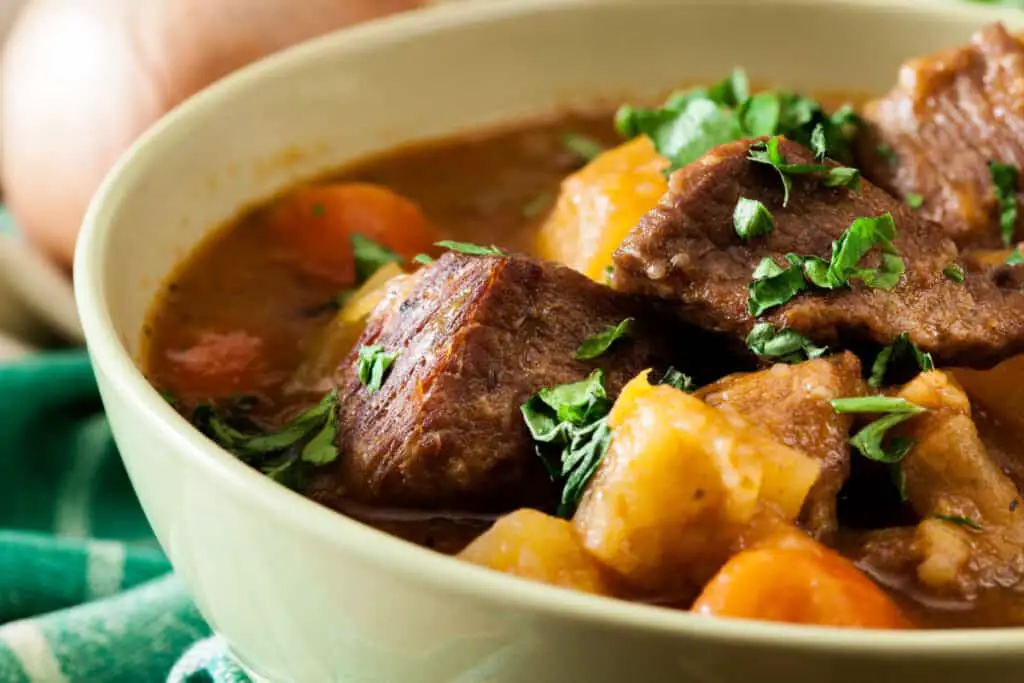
304, 594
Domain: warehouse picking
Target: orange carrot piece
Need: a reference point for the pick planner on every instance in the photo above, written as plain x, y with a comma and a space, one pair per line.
798, 581
219, 364
316, 224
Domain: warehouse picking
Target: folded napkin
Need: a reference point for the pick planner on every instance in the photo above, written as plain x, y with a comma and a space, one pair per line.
86, 595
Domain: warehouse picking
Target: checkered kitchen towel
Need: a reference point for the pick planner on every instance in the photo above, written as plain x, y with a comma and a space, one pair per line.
85, 593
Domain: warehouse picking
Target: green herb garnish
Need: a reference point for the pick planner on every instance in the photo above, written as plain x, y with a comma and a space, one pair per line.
374, 364
538, 205
774, 285
370, 256
609, 271
954, 272
913, 200
470, 248
1004, 180
960, 520
1015, 258
818, 143
785, 345
569, 422
675, 379
583, 147
900, 348
308, 438
595, 345
889, 154
769, 153
869, 439
425, 259
751, 218
863, 235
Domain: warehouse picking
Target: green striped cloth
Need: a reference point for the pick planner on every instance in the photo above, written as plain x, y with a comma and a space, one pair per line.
86, 595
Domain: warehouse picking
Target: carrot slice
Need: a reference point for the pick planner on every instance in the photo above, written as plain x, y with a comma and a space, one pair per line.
797, 581
219, 364
316, 224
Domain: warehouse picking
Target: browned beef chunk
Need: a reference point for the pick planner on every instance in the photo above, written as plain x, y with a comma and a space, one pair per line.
792, 401
476, 337
949, 114
687, 250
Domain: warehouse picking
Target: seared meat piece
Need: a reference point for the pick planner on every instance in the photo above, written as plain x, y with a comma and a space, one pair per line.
687, 250
935, 132
792, 402
476, 337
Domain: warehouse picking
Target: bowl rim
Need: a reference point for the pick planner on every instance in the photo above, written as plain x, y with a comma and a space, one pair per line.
429, 568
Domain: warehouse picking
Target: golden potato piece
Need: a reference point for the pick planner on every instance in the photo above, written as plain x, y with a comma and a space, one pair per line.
536, 546
599, 204
680, 481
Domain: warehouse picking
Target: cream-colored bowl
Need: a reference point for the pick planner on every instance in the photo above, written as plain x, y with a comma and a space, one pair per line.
304, 594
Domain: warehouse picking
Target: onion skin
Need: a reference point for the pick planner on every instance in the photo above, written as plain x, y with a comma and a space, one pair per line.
83, 78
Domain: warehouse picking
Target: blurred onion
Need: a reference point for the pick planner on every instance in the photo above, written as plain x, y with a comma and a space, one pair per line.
82, 79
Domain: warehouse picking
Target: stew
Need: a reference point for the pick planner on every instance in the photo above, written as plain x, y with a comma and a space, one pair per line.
749, 352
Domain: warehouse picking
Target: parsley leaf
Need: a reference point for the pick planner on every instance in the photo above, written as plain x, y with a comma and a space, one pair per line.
470, 248
954, 272
774, 285
569, 422
1015, 258
818, 143
751, 218
900, 348
785, 345
869, 439
584, 147
863, 235
913, 200
369, 256
1004, 180
769, 153
960, 520
595, 345
732, 91
889, 154
425, 259
609, 272
308, 438
538, 205
675, 379
374, 364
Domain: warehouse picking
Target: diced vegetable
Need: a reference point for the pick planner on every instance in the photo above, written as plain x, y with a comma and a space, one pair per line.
599, 204
679, 482
535, 546
317, 224
219, 364
333, 343
794, 579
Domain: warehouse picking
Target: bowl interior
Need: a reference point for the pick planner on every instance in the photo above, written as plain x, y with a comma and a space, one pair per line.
423, 76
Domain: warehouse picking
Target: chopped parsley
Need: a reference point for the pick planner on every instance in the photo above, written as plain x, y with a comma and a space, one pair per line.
954, 272
595, 345
769, 153
609, 271
785, 345
308, 439
913, 200
751, 218
869, 439
675, 379
470, 248
900, 349
863, 235
370, 256
538, 205
584, 147
1004, 181
960, 520
374, 364
889, 154
1015, 258
569, 424
692, 122
425, 259
774, 285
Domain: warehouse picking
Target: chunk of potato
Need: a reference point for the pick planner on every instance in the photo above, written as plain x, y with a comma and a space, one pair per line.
792, 578
599, 204
533, 545
680, 481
